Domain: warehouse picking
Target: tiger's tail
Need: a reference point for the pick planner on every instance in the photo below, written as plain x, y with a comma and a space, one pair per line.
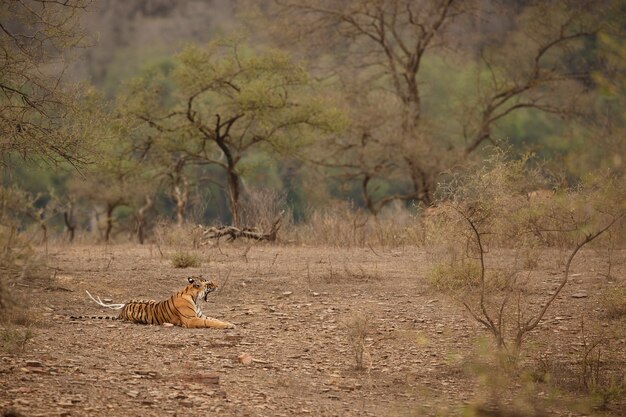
94, 317
103, 304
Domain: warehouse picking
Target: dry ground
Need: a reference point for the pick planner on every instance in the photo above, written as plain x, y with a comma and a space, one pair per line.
291, 306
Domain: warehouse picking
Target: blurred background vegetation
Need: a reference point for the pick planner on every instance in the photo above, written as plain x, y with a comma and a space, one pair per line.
118, 115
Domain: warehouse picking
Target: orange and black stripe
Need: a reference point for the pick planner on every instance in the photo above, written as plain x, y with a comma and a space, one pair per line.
153, 312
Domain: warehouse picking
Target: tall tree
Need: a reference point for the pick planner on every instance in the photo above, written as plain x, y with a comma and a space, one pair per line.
228, 103
379, 51
34, 104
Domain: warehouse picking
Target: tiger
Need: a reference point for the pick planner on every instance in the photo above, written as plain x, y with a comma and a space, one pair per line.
180, 309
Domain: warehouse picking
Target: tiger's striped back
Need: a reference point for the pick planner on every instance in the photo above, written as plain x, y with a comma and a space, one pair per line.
143, 312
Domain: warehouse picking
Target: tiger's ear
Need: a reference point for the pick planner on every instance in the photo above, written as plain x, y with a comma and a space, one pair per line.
190, 279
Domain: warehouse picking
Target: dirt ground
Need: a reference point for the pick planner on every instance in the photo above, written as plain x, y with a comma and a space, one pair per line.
292, 307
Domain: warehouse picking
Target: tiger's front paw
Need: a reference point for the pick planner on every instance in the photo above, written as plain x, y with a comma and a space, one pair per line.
229, 325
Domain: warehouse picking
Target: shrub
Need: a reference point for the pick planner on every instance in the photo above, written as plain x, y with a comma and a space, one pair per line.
452, 277
262, 207
491, 207
342, 224
357, 328
14, 339
17, 258
613, 301
185, 260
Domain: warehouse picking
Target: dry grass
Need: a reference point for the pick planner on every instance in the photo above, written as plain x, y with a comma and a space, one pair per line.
185, 260
453, 277
341, 224
13, 339
595, 374
168, 235
358, 327
376, 311
613, 301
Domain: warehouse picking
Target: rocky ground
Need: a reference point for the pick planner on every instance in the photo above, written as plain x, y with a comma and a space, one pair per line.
293, 351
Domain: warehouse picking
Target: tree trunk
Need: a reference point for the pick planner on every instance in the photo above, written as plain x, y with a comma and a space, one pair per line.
71, 227
70, 221
109, 222
233, 196
141, 219
180, 194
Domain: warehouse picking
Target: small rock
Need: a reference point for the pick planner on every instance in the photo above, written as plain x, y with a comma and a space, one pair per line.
580, 294
208, 378
34, 364
65, 403
286, 293
245, 358
132, 394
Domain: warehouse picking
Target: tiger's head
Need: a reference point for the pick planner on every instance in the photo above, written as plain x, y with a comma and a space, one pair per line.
200, 287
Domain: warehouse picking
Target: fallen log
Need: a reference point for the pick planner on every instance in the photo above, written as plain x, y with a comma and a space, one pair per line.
216, 232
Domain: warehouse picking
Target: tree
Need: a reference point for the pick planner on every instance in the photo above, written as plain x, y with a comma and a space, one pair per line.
120, 177
380, 51
226, 104
34, 104
610, 110
491, 208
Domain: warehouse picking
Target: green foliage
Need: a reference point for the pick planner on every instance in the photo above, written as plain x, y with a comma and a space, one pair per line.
272, 94
127, 63
36, 108
162, 132
229, 107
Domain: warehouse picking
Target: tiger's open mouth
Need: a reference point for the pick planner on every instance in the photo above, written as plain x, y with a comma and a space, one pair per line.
207, 292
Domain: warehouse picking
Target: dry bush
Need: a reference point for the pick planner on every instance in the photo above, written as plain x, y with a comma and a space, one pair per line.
395, 226
339, 224
261, 207
500, 388
454, 277
345, 274
342, 224
185, 260
596, 374
18, 260
490, 208
170, 235
602, 373
613, 301
358, 327
14, 339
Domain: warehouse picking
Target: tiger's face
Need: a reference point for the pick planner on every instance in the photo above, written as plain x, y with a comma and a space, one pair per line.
202, 287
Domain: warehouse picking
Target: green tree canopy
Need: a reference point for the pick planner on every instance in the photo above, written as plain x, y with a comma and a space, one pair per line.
34, 104
225, 102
